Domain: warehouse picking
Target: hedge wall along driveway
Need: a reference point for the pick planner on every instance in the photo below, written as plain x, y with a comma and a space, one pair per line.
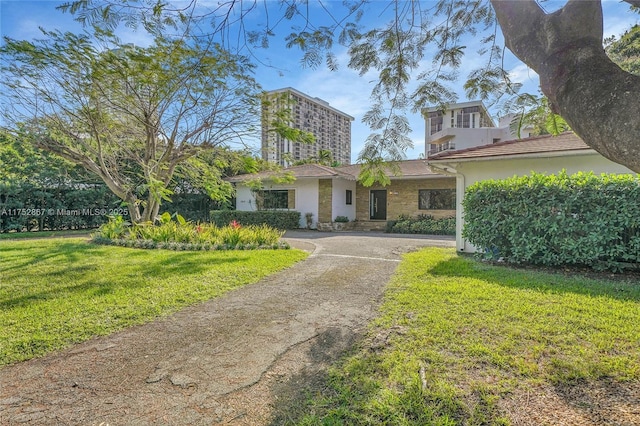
582, 219
275, 218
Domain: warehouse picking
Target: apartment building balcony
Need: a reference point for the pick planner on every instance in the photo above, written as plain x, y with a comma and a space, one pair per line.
449, 133
447, 146
462, 138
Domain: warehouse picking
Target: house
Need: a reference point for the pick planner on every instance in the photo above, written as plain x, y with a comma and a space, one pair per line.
542, 154
464, 125
328, 192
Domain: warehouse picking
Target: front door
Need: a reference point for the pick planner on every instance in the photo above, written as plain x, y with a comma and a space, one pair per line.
378, 204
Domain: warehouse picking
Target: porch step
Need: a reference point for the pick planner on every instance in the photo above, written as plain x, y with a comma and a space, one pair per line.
370, 225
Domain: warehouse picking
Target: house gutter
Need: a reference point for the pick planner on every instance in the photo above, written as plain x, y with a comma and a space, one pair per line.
573, 153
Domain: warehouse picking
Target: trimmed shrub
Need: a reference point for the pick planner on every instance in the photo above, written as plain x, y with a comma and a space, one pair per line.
583, 219
274, 218
423, 224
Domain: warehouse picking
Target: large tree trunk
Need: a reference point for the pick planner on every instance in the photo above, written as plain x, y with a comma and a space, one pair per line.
134, 210
600, 101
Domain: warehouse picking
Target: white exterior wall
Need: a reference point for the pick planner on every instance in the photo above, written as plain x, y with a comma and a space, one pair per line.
467, 138
306, 198
339, 206
245, 200
471, 172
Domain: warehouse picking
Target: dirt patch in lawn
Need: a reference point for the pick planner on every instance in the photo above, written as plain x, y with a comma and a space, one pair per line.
582, 403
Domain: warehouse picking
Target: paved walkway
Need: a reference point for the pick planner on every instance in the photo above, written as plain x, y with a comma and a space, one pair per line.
227, 361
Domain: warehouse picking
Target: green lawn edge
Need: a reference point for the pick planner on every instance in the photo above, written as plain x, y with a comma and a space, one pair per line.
59, 291
458, 342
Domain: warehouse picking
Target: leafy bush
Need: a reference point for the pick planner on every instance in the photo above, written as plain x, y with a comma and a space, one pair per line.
179, 234
582, 219
423, 224
273, 218
343, 219
114, 228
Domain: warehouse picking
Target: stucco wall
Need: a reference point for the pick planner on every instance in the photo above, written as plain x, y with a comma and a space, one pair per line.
470, 172
339, 199
303, 194
402, 197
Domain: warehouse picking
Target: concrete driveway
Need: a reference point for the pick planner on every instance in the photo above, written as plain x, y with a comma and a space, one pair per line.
238, 359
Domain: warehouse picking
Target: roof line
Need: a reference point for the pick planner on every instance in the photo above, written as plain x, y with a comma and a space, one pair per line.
444, 154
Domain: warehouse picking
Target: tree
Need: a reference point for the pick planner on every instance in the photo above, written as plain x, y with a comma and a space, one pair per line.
596, 97
36, 184
130, 115
626, 51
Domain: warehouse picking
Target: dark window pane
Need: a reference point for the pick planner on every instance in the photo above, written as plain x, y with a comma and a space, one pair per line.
437, 199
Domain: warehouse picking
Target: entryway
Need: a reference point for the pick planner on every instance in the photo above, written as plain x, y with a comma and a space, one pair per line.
378, 204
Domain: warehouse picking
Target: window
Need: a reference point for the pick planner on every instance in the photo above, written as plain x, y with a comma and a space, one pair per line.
273, 199
437, 199
349, 197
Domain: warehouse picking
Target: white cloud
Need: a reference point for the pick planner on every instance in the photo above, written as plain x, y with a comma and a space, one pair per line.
524, 75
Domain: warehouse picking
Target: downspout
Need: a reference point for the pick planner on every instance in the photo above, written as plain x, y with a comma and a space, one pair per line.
460, 190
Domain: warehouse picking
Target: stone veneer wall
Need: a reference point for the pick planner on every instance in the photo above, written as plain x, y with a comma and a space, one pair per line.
291, 199
402, 198
325, 190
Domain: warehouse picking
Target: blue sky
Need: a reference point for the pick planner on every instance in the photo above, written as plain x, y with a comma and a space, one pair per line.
343, 89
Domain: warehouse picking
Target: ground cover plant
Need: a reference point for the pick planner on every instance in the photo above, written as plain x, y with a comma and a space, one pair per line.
461, 342
423, 224
56, 292
180, 234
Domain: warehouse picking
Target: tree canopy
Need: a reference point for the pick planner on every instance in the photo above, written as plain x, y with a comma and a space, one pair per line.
416, 55
415, 50
128, 114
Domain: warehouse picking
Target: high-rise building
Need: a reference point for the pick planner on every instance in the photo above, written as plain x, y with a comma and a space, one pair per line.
464, 125
331, 128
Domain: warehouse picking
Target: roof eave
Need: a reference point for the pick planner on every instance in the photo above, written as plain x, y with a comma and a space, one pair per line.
564, 153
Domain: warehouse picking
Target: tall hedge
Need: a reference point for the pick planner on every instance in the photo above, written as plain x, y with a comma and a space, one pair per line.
582, 219
27, 207
274, 218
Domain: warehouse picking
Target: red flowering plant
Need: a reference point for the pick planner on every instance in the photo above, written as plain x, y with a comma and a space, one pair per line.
235, 225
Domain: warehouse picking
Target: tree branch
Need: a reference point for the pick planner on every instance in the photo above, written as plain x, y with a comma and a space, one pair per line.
598, 99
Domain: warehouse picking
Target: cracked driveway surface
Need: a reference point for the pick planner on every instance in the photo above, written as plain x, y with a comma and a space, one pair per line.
238, 359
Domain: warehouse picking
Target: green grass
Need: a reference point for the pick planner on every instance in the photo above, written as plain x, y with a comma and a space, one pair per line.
464, 336
45, 234
56, 292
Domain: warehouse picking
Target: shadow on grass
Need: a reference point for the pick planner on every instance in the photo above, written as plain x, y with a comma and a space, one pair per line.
22, 255
537, 279
82, 264
294, 394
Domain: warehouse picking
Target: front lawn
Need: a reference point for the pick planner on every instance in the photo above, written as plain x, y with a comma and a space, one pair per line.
57, 292
460, 342
44, 234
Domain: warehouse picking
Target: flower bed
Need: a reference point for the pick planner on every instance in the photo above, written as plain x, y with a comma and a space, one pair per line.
182, 235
